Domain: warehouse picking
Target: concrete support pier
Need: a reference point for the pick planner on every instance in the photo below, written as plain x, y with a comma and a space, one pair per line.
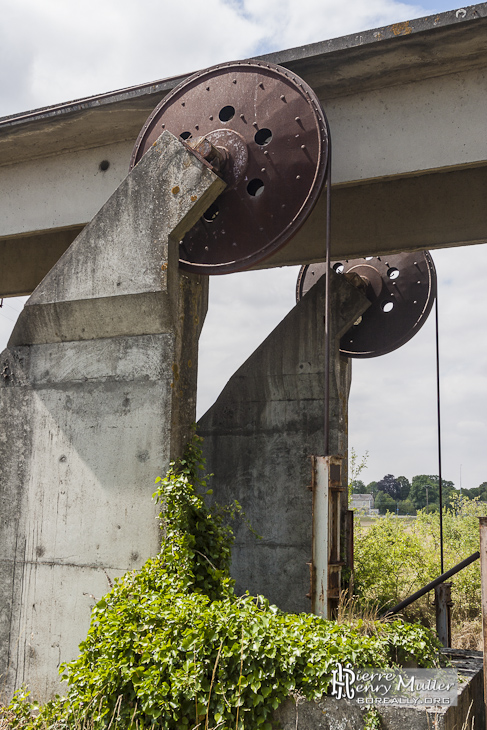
97, 394
260, 435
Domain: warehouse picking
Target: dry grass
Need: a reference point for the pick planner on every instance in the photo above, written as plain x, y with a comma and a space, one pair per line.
467, 635
6, 719
363, 619
469, 723
368, 521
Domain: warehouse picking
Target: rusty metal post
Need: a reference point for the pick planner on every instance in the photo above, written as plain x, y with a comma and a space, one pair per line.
320, 541
349, 539
443, 604
335, 563
326, 562
483, 575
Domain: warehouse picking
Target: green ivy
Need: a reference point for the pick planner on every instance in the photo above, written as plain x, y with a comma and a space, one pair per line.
372, 720
172, 646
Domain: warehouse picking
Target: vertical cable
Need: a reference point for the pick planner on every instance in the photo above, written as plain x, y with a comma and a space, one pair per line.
327, 302
440, 481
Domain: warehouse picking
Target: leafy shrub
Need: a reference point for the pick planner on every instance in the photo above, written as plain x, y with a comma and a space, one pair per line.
171, 646
389, 561
406, 507
394, 558
461, 539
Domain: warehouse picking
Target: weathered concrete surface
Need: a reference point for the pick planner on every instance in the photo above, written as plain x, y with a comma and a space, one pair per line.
261, 432
325, 714
332, 714
97, 393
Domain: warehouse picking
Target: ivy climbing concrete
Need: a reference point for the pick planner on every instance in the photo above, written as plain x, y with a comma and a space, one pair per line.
172, 646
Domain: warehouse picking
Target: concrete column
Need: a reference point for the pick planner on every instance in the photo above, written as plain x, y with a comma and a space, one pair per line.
261, 433
97, 394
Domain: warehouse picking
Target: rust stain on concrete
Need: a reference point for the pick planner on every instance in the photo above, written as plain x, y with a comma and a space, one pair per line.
401, 28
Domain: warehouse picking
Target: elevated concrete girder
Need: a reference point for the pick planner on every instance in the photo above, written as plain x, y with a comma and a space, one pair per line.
437, 210
406, 104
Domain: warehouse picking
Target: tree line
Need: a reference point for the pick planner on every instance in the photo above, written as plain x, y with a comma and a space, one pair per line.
404, 497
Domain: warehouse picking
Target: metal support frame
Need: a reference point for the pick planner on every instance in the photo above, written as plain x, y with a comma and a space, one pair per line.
326, 561
443, 606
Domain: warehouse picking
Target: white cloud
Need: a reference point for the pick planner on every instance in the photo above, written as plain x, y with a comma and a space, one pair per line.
393, 400
9, 311
53, 51
289, 23
244, 308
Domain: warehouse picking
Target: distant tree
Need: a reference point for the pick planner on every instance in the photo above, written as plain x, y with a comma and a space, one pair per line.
483, 491
358, 487
384, 503
372, 488
406, 507
390, 485
425, 489
405, 487
471, 493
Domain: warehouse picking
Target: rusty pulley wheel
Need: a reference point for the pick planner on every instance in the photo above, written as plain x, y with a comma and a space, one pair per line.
273, 132
401, 289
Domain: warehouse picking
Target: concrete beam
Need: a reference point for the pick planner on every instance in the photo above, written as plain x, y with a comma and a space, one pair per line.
405, 103
437, 210
97, 394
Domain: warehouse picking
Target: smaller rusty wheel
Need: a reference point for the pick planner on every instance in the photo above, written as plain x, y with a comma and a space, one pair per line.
401, 289
274, 136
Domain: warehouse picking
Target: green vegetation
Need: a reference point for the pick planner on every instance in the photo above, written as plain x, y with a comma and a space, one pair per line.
394, 558
425, 491
480, 492
355, 468
372, 719
172, 646
397, 494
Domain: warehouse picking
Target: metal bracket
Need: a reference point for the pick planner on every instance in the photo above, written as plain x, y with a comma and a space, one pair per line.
326, 563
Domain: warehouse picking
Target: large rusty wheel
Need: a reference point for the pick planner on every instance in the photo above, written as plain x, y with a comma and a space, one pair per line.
401, 289
274, 134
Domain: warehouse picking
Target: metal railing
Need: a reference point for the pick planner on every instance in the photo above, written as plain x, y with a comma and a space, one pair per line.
443, 602
429, 587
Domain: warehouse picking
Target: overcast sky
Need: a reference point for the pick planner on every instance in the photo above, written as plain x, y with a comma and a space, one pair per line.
53, 51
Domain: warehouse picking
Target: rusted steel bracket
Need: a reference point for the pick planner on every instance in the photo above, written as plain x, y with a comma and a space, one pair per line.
216, 156
443, 606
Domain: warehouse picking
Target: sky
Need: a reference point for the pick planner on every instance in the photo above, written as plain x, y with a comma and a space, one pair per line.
52, 51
